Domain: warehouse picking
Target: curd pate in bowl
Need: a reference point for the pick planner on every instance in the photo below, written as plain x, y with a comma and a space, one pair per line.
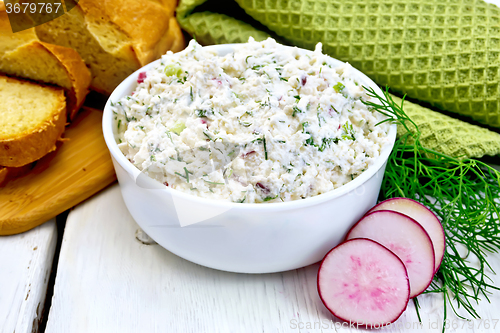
262, 155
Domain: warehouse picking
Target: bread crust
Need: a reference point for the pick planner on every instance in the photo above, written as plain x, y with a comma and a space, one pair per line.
35, 143
175, 42
78, 73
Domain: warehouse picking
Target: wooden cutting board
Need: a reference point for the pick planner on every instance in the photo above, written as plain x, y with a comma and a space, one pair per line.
79, 168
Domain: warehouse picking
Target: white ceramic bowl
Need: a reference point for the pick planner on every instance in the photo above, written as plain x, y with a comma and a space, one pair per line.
243, 237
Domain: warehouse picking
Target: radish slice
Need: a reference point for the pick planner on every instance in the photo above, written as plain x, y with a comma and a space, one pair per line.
406, 238
422, 215
362, 282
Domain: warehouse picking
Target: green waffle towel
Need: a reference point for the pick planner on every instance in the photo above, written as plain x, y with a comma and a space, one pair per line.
212, 28
445, 53
448, 135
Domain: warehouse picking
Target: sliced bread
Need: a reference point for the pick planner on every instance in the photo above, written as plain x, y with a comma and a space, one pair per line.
32, 119
22, 54
115, 37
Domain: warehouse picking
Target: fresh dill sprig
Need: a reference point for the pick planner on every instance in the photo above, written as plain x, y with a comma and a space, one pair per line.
463, 193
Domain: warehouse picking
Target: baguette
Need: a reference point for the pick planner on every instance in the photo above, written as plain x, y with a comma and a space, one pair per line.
33, 119
115, 37
22, 54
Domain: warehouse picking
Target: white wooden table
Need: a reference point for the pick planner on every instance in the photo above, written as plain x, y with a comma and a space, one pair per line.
108, 281
25, 266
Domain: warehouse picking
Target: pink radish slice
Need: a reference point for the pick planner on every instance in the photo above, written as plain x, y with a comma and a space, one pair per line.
362, 282
406, 238
422, 215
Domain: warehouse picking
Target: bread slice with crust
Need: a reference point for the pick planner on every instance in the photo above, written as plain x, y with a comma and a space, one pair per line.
32, 119
116, 37
22, 54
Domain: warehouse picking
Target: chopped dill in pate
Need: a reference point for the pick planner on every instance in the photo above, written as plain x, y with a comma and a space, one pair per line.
266, 123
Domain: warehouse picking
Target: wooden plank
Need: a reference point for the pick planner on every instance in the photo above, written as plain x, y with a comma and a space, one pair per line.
108, 281
79, 168
25, 266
